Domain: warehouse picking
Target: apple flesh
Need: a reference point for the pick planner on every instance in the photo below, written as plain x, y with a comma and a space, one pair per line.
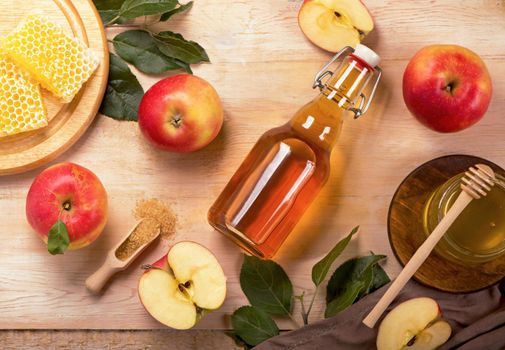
182, 284
334, 24
182, 113
73, 194
447, 87
432, 337
414, 324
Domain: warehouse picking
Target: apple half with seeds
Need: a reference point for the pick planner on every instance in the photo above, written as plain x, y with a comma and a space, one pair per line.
178, 289
414, 325
334, 24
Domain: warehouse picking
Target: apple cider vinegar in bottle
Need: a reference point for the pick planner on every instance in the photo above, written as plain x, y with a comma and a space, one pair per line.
288, 166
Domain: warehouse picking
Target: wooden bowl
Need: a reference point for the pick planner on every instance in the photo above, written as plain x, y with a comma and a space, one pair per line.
406, 232
67, 122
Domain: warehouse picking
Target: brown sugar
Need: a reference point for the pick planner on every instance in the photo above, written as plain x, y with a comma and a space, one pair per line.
159, 211
154, 216
145, 232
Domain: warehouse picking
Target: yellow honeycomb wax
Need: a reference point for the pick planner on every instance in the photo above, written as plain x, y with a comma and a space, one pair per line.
21, 106
60, 63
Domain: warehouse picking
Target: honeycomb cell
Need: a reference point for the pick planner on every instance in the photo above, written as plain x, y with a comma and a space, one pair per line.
21, 106
60, 63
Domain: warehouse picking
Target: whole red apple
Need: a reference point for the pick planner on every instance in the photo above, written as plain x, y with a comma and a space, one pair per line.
73, 194
447, 87
182, 113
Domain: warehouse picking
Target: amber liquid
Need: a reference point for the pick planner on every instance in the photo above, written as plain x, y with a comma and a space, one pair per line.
285, 171
478, 234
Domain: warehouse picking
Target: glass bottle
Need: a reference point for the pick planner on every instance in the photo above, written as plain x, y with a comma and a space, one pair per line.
289, 164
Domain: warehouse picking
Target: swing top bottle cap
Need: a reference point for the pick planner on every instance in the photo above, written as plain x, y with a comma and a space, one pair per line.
367, 55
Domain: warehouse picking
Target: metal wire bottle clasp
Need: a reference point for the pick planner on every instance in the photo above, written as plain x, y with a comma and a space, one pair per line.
326, 74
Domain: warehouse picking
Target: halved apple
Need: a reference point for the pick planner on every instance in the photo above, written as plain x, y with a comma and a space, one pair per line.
414, 325
178, 288
334, 24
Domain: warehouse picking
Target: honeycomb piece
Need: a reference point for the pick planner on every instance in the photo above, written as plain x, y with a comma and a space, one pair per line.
21, 106
60, 63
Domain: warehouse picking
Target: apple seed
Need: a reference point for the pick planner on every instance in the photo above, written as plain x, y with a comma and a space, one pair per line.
412, 341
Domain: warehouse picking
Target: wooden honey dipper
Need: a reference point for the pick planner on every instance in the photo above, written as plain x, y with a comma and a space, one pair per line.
476, 183
114, 264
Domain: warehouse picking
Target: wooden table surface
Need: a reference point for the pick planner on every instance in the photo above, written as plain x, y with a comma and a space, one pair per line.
262, 67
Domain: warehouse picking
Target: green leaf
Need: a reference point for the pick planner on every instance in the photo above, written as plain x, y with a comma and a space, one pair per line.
108, 9
351, 271
320, 270
139, 8
266, 285
58, 239
238, 341
380, 278
175, 11
139, 48
184, 66
174, 45
344, 300
253, 325
367, 278
124, 92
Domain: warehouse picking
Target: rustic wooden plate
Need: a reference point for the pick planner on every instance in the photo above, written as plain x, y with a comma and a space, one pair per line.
19, 153
406, 230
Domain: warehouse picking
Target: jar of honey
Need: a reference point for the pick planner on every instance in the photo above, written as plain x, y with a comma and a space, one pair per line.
478, 234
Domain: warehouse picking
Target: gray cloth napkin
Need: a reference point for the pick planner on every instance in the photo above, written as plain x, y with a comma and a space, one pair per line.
477, 321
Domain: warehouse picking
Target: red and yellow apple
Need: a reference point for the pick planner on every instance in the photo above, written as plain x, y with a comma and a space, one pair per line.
73, 194
447, 87
415, 325
182, 113
334, 24
177, 289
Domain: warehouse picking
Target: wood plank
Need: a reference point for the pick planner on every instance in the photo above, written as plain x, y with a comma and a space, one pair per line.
116, 340
263, 69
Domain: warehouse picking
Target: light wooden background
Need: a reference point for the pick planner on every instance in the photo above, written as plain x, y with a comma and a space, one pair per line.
262, 66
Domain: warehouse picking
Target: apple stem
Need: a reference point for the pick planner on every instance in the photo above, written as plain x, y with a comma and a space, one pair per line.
337, 14
67, 206
149, 267
450, 87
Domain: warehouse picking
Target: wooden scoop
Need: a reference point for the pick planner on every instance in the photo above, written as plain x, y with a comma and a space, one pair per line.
114, 264
476, 183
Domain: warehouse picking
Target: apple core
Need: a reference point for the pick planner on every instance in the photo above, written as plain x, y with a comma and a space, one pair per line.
177, 289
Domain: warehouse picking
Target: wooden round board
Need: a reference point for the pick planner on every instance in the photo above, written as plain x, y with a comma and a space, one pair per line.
406, 231
67, 122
